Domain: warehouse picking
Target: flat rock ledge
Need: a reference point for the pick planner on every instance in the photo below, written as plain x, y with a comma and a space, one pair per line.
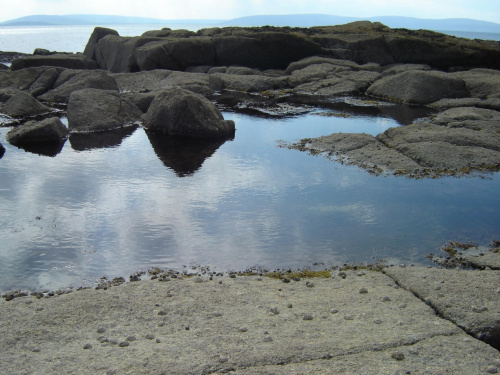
355, 322
456, 142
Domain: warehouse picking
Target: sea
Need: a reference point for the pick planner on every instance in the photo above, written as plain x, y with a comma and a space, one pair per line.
129, 202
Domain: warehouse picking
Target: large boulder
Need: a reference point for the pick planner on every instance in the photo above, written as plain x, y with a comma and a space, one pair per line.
91, 110
21, 104
68, 61
73, 80
50, 130
418, 87
23, 79
175, 54
181, 112
97, 34
116, 53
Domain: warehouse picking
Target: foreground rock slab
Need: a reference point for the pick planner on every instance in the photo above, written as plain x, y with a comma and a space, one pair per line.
248, 325
471, 299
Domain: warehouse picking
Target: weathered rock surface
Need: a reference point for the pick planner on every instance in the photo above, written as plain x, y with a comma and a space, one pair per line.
418, 87
470, 299
92, 110
242, 325
50, 130
456, 141
23, 79
73, 80
20, 104
275, 47
68, 61
181, 112
97, 34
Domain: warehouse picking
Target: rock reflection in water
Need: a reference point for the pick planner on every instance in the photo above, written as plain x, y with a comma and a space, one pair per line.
51, 149
184, 155
90, 141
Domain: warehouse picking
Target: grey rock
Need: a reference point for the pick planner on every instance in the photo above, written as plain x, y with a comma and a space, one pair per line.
419, 87
72, 80
20, 104
50, 130
473, 308
183, 113
91, 110
97, 34
44, 82
68, 61
247, 83
2, 150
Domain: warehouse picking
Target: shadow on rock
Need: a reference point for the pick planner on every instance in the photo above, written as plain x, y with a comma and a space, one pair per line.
90, 141
184, 155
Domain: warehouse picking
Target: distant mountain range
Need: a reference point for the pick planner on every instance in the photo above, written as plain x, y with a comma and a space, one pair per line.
293, 20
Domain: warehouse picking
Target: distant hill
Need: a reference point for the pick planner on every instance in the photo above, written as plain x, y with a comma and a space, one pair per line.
293, 20
92, 19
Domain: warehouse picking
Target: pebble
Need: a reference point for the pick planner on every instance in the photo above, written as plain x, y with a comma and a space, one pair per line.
131, 338
162, 312
398, 356
479, 309
274, 311
385, 299
307, 317
161, 324
243, 329
334, 311
101, 330
310, 284
363, 291
87, 346
223, 359
268, 339
342, 275
158, 341
377, 321
492, 370
150, 337
123, 344
290, 306
348, 317
285, 280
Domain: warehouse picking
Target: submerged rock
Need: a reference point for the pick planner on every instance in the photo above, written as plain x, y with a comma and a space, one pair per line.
91, 110
180, 112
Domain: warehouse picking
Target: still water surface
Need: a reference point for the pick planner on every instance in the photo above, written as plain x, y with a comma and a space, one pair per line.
132, 202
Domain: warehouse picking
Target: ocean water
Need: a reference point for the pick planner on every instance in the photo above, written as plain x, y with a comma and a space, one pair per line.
112, 206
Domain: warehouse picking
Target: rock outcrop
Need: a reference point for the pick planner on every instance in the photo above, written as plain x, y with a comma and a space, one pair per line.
179, 112
92, 110
276, 47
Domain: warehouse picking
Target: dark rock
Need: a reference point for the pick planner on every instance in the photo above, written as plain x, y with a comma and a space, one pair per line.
97, 34
22, 79
73, 80
68, 61
2, 150
44, 82
117, 54
175, 54
91, 110
247, 83
181, 112
21, 104
48, 130
418, 87
4, 67
42, 52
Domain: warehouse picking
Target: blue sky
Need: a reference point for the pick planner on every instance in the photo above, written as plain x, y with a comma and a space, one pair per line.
487, 10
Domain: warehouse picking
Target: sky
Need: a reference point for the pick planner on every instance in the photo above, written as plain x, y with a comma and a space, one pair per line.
486, 10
